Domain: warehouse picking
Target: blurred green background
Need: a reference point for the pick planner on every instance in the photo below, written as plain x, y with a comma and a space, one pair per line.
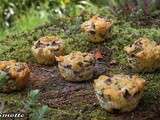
22, 15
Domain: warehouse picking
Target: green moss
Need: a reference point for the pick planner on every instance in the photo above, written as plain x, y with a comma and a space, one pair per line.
18, 46
152, 92
99, 114
13, 102
58, 114
124, 34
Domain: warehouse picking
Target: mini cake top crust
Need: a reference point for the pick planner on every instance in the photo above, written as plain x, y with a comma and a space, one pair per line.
96, 24
142, 44
50, 42
143, 55
46, 48
77, 60
120, 91
4, 64
98, 29
120, 84
16, 70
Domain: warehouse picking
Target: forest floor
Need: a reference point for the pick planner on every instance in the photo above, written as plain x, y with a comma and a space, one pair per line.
77, 101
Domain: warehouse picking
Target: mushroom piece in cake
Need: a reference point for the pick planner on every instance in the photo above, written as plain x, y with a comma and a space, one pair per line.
13, 76
119, 93
143, 55
76, 66
97, 29
46, 48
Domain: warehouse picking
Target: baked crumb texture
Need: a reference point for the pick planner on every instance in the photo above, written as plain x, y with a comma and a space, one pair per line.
97, 29
16, 73
119, 93
46, 48
144, 55
77, 66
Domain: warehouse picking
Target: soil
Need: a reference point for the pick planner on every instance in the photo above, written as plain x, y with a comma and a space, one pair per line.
78, 99
148, 21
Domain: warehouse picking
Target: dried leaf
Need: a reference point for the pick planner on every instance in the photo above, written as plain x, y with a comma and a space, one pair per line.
98, 55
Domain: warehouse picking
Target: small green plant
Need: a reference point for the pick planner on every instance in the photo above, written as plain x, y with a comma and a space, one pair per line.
35, 111
40, 113
32, 98
3, 78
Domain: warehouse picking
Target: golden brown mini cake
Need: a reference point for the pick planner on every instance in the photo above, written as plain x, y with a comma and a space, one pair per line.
14, 75
46, 48
143, 55
119, 93
76, 66
97, 29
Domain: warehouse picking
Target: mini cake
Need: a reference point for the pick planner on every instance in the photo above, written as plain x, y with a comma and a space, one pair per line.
97, 29
14, 76
119, 93
143, 55
76, 66
46, 48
